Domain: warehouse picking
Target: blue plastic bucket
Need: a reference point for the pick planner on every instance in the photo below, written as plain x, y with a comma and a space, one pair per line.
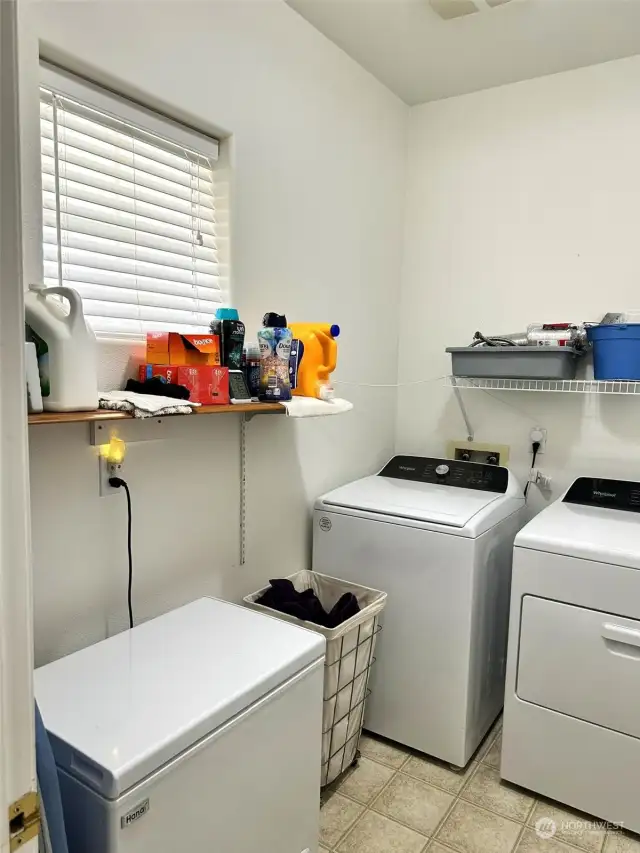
616, 351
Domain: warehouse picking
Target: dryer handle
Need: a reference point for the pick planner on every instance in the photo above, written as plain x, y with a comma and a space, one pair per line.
621, 634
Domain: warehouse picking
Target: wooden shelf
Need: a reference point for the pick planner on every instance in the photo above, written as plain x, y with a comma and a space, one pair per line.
76, 417
108, 415
243, 408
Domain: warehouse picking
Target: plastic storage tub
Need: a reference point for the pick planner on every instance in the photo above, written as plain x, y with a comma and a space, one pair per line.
514, 362
348, 661
616, 351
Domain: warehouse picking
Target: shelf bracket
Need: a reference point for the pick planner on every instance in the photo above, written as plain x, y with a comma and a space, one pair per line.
244, 420
249, 416
463, 411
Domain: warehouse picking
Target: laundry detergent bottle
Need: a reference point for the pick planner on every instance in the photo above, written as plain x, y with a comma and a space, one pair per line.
68, 362
317, 358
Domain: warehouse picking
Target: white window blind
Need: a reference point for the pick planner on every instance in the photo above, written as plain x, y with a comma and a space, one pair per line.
129, 218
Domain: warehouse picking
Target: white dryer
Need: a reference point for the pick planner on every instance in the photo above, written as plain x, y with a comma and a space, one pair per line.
437, 536
572, 704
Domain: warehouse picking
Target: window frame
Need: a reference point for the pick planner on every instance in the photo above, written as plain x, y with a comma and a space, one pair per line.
122, 109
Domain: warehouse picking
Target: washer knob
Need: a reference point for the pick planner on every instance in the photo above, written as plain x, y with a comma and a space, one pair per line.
442, 470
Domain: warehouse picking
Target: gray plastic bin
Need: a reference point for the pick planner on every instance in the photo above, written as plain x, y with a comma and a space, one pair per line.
514, 362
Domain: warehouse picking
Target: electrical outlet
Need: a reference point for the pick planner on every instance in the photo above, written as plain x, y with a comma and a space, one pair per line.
539, 434
478, 451
542, 481
108, 470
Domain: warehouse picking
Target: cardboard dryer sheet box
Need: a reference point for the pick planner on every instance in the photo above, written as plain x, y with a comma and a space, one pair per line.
176, 349
208, 385
165, 372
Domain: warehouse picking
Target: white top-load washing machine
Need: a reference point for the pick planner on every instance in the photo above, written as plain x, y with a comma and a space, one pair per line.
437, 536
199, 730
572, 703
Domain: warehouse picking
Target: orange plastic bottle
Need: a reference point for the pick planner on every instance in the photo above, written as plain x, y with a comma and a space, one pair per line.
318, 360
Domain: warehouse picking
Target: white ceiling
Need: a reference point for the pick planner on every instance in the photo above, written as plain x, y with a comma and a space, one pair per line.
421, 57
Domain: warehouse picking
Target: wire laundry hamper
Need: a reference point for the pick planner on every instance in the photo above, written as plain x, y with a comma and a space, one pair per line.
348, 661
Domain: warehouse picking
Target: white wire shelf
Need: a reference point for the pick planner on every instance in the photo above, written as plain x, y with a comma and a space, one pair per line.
571, 386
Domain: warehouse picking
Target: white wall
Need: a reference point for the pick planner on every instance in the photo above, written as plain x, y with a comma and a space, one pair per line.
523, 204
318, 155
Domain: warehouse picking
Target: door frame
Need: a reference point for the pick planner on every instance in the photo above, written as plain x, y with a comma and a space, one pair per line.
17, 748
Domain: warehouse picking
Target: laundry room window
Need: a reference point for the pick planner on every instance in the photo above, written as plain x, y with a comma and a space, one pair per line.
129, 209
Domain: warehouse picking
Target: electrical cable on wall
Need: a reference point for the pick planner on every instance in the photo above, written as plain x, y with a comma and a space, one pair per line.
116, 483
519, 411
535, 447
388, 385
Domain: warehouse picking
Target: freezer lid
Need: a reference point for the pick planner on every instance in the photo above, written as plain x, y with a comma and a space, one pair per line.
428, 502
120, 709
602, 534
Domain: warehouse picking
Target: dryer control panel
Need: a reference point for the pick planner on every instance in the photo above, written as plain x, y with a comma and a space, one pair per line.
448, 472
614, 494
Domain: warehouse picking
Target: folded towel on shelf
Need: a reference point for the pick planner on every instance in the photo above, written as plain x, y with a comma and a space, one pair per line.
311, 407
144, 405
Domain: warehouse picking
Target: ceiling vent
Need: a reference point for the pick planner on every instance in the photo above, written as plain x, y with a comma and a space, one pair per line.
449, 9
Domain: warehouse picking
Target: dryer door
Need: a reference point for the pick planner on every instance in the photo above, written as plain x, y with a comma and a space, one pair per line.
580, 662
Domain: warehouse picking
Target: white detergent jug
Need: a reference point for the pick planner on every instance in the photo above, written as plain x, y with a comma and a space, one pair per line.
72, 358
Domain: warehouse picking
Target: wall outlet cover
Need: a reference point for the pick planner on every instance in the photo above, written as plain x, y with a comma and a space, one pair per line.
108, 470
539, 434
479, 451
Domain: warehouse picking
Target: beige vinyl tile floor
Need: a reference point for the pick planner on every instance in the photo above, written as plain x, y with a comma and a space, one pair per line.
400, 801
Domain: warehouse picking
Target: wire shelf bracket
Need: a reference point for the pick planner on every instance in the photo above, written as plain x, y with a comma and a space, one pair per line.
462, 407
564, 386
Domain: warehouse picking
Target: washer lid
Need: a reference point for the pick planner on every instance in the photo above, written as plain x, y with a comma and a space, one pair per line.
428, 502
596, 533
120, 709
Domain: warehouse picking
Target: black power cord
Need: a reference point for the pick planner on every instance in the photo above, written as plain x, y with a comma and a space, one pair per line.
116, 483
535, 447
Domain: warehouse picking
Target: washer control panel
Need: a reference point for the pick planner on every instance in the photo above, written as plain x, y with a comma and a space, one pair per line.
614, 494
448, 472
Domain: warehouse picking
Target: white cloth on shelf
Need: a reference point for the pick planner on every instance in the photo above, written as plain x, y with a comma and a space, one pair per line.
311, 407
144, 405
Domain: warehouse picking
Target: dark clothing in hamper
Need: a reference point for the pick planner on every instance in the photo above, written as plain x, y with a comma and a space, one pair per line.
158, 388
284, 597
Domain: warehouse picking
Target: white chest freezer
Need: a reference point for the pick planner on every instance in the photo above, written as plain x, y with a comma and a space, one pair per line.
199, 730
